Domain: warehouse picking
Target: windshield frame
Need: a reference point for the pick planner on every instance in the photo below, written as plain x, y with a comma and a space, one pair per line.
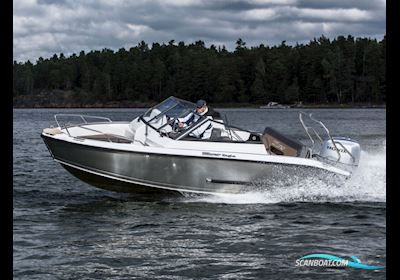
190, 108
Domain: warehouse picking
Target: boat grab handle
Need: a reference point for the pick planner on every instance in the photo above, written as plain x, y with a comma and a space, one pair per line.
81, 116
56, 116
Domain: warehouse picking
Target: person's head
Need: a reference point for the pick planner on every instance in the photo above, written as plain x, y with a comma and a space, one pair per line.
201, 106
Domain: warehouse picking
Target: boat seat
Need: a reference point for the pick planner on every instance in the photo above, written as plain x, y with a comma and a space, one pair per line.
216, 136
215, 133
280, 144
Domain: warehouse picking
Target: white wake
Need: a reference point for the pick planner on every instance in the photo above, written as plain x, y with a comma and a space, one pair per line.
368, 183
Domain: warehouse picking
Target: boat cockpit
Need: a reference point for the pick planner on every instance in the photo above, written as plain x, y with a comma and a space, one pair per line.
165, 117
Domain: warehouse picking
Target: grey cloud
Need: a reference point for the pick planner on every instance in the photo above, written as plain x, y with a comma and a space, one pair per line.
50, 26
242, 5
52, 2
343, 4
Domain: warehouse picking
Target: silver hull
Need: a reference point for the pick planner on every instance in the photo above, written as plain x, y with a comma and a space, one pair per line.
133, 172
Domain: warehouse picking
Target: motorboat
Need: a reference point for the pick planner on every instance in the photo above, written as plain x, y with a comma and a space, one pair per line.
274, 105
153, 153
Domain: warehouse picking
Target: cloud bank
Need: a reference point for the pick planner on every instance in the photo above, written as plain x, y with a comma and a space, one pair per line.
45, 27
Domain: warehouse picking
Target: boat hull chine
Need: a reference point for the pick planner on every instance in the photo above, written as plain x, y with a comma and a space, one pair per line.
131, 171
112, 184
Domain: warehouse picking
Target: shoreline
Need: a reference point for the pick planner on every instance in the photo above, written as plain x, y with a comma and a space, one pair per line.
219, 106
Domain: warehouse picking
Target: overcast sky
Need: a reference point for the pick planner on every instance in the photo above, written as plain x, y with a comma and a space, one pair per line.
45, 27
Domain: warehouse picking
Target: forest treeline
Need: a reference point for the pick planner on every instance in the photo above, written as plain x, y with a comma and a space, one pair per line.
344, 70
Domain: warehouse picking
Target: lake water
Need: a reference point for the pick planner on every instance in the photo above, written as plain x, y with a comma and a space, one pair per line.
66, 229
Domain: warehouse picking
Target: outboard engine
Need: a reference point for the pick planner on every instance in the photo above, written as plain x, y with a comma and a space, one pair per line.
348, 149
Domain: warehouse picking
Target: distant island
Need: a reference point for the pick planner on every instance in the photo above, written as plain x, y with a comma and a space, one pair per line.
343, 72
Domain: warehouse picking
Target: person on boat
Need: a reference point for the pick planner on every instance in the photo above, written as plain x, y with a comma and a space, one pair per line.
204, 131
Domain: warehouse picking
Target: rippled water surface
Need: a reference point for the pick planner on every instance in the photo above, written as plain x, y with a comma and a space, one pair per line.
66, 229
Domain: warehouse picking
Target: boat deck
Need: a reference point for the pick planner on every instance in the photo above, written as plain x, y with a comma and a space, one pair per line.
107, 137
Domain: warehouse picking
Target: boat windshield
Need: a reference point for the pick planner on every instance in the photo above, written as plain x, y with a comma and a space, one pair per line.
171, 107
167, 112
164, 118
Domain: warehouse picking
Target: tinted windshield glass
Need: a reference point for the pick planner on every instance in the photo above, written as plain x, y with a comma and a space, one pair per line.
171, 107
